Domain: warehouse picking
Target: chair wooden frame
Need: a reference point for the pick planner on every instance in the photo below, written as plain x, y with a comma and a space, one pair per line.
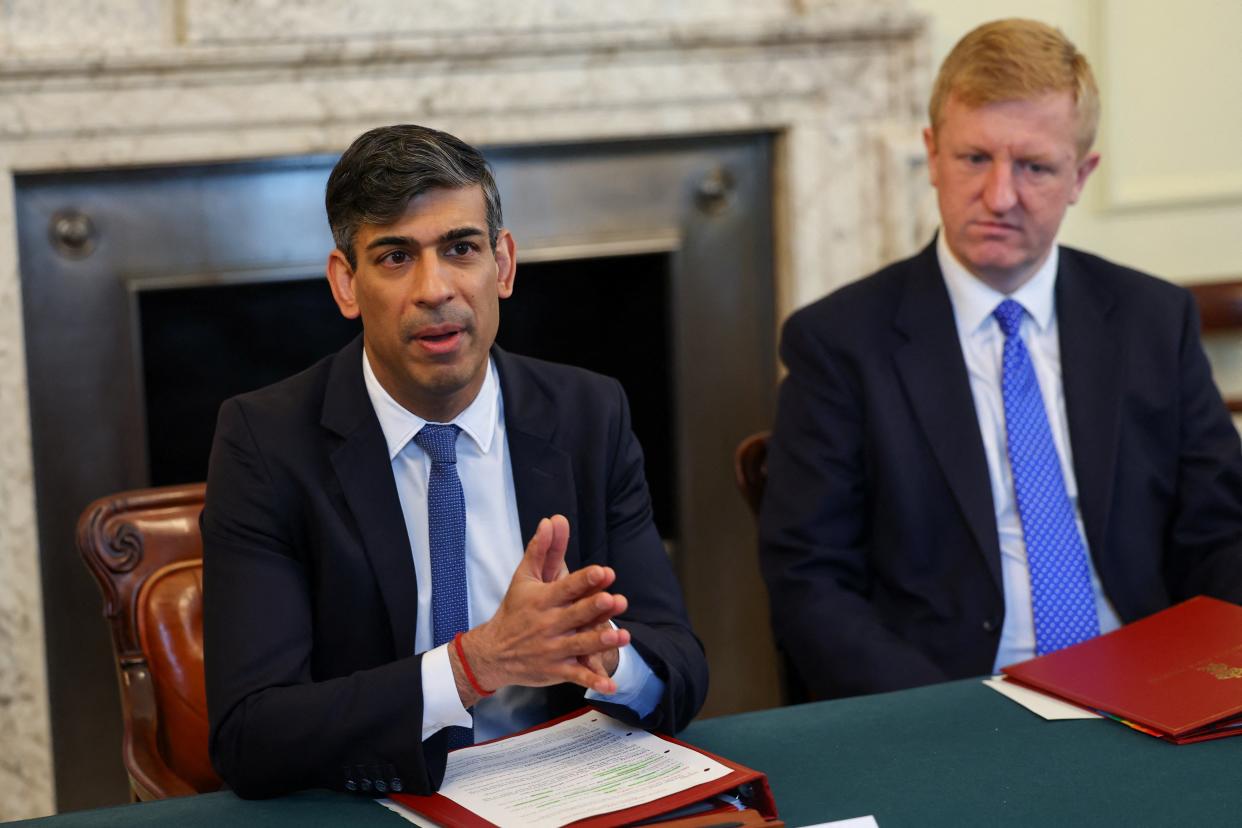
750, 473
750, 469
114, 549
1220, 309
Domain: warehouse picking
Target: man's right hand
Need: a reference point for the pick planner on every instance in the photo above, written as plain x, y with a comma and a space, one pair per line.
547, 620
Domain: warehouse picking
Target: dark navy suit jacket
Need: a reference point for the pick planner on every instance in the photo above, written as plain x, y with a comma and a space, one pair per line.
310, 593
878, 532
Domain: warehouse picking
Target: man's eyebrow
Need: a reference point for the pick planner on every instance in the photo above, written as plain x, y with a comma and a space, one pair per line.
391, 241
456, 234
467, 232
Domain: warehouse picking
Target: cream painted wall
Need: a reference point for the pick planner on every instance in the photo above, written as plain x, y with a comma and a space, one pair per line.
1167, 197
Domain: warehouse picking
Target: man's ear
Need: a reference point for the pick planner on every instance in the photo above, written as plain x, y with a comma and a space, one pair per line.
506, 264
929, 143
341, 280
1085, 167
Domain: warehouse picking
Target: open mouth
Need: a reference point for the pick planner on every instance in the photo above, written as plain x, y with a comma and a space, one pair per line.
439, 339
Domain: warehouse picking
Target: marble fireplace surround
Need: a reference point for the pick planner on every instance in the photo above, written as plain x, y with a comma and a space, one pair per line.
144, 82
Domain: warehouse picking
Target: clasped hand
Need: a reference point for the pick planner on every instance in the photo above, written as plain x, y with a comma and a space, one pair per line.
552, 625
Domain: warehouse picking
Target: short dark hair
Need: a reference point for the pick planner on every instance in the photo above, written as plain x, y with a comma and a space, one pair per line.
386, 167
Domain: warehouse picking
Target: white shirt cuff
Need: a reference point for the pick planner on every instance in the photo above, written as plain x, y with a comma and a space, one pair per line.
638, 688
442, 706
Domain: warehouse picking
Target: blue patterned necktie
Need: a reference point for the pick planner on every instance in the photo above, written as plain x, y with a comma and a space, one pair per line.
446, 535
1062, 601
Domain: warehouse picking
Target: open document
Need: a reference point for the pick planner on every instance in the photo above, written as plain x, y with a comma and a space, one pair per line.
582, 766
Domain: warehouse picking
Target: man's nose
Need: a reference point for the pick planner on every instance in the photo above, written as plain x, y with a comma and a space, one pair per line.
1000, 192
432, 281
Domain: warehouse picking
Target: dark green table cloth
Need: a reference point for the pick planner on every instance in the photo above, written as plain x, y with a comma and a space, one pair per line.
955, 754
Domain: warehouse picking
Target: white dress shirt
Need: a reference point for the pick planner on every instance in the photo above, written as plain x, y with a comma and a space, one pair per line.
494, 547
982, 345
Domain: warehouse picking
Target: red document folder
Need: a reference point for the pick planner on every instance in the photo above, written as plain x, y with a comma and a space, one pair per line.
752, 785
1176, 674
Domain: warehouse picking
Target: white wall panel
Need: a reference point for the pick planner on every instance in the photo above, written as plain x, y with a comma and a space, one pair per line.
1170, 74
1167, 197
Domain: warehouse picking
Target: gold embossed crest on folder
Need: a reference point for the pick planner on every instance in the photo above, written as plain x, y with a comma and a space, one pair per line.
1152, 671
1222, 671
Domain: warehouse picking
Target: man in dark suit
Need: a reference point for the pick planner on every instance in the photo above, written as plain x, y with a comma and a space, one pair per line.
369, 604
999, 446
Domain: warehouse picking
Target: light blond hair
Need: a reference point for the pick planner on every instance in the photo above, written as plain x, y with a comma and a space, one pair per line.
1016, 60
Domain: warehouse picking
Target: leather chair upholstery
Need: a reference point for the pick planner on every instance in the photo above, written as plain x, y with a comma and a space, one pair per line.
750, 473
750, 469
145, 551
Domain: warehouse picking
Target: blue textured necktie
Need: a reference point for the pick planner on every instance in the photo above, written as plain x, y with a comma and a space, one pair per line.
446, 534
1062, 601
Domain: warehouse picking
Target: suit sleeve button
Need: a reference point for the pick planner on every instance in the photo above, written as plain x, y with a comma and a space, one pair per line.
351, 785
365, 785
381, 786
395, 784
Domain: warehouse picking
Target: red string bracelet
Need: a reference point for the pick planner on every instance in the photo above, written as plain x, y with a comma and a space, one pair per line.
465, 666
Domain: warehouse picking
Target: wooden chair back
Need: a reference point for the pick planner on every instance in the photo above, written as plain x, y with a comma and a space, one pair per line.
1220, 309
750, 469
146, 553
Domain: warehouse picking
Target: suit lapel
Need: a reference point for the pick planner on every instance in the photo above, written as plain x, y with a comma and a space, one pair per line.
1090, 360
365, 474
543, 477
933, 373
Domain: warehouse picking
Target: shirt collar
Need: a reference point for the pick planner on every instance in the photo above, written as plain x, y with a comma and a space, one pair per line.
399, 424
973, 301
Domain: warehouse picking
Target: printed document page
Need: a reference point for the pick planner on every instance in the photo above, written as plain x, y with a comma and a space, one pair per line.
590, 764
1042, 704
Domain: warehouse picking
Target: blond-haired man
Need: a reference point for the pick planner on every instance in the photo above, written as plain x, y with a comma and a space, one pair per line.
1000, 446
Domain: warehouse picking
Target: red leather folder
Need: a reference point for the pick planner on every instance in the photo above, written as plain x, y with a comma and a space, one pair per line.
750, 786
1176, 674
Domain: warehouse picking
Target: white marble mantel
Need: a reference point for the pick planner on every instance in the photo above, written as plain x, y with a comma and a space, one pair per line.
88, 84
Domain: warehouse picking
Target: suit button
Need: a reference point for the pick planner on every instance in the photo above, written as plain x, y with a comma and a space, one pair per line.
395, 784
990, 625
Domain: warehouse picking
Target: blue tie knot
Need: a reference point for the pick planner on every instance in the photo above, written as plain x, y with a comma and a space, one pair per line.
1009, 315
439, 441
